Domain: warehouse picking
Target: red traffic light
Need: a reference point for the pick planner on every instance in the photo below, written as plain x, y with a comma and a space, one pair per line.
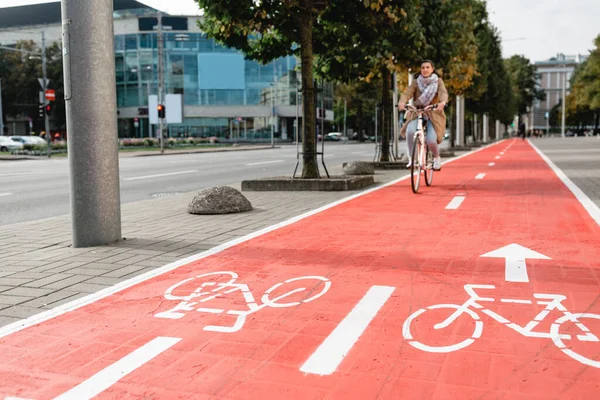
48, 109
161, 111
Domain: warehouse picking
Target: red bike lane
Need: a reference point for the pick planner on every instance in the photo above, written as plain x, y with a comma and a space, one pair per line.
484, 285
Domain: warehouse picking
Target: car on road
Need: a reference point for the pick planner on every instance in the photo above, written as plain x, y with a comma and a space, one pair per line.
7, 144
33, 140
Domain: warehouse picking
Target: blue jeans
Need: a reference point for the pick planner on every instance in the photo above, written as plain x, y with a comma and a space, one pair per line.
431, 137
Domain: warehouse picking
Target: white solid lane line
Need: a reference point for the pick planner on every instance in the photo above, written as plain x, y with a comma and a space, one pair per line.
455, 203
480, 176
333, 350
113, 373
492, 164
6, 194
137, 178
264, 163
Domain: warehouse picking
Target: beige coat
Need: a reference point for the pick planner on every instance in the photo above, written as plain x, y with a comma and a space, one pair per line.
437, 117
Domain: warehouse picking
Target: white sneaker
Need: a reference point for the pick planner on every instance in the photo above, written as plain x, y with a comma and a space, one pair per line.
437, 163
409, 164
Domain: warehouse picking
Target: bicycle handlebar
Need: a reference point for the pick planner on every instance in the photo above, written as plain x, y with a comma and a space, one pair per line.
408, 107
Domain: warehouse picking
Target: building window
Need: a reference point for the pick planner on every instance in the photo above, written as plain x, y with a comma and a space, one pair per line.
130, 42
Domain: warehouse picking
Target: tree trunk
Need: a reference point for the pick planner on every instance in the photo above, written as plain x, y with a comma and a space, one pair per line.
310, 167
386, 101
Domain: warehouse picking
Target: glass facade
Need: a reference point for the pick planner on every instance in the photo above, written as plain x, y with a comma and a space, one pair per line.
205, 73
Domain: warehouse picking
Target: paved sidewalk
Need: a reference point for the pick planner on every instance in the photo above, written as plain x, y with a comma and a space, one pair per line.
39, 270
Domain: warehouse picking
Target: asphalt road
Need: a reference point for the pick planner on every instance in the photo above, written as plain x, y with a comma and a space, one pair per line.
35, 189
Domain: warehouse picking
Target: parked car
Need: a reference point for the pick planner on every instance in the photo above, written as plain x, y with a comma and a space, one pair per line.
336, 137
7, 144
33, 140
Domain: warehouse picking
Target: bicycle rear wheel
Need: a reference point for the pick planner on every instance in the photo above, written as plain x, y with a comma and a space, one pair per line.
428, 169
415, 168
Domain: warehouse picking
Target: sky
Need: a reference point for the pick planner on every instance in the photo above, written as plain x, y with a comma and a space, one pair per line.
537, 29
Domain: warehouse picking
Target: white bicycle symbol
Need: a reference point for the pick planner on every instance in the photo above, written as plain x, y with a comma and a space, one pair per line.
552, 302
210, 290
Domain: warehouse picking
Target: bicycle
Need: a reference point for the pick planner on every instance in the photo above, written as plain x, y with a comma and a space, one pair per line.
421, 156
213, 289
551, 301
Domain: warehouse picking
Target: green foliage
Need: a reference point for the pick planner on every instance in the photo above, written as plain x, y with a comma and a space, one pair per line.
523, 78
20, 86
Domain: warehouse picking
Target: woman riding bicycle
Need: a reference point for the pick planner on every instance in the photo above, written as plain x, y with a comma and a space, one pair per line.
427, 89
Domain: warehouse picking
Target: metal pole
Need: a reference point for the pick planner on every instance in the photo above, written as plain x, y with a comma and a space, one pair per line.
564, 105
458, 141
345, 116
273, 114
297, 119
46, 102
161, 84
323, 111
90, 96
1, 112
485, 128
497, 130
149, 124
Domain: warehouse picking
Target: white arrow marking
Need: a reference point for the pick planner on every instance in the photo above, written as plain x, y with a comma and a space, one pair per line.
515, 256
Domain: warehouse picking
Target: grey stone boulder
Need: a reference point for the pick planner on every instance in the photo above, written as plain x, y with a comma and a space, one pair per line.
359, 168
219, 200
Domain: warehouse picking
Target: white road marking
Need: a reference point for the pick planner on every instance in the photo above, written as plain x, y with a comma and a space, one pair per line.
113, 373
329, 355
480, 176
516, 301
515, 265
137, 178
264, 163
455, 203
109, 291
6, 194
502, 153
492, 164
497, 157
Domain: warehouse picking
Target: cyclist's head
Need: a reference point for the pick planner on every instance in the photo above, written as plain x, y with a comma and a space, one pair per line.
427, 68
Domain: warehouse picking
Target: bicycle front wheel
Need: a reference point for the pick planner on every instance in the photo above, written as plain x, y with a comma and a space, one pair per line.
312, 286
440, 348
590, 342
428, 169
415, 168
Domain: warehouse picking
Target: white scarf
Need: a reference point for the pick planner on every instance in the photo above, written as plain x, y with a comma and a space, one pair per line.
428, 88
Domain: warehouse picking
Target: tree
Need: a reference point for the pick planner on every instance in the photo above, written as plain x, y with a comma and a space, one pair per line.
20, 86
491, 90
359, 44
523, 77
586, 85
268, 29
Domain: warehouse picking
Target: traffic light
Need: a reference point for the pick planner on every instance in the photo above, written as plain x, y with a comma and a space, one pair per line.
41, 111
48, 109
161, 111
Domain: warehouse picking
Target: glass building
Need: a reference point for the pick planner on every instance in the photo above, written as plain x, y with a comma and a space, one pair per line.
224, 94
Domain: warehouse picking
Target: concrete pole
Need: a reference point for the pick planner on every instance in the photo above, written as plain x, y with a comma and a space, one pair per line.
458, 139
90, 94
485, 128
1, 112
564, 103
497, 130
46, 102
161, 82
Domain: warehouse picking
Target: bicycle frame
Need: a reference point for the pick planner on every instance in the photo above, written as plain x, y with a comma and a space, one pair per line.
551, 301
419, 133
223, 288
